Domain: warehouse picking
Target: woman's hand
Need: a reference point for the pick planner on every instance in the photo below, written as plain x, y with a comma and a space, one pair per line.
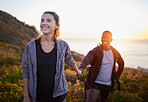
26, 93
79, 73
27, 99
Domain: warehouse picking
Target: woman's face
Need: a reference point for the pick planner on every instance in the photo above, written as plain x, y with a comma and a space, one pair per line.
48, 24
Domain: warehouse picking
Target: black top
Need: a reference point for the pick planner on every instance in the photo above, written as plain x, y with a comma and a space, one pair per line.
46, 69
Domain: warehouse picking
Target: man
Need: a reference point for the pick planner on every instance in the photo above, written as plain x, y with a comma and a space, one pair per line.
103, 60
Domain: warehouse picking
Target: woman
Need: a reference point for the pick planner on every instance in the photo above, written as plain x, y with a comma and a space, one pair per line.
43, 63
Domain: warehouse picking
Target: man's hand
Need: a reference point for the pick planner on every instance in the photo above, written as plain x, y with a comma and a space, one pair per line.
79, 73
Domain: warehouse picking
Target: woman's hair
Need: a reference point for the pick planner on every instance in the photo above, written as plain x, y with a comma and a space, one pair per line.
57, 20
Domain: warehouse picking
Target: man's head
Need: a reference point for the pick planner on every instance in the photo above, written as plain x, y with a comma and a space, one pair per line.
106, 38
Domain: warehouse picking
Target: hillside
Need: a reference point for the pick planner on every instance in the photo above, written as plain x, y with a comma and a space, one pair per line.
14, 35
13, 31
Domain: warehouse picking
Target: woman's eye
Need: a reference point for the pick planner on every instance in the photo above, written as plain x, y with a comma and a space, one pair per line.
48, 20
42, 20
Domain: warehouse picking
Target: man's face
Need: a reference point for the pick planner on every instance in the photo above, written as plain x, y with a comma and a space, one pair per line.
106, 39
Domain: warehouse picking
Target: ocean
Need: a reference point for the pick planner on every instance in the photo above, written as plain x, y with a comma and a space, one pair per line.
134, 53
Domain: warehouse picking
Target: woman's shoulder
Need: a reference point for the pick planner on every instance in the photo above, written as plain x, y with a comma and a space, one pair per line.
61, 41
32, 42
61, 44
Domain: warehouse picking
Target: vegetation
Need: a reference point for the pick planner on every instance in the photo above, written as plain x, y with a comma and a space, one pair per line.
15, 32
11, 86
134, 84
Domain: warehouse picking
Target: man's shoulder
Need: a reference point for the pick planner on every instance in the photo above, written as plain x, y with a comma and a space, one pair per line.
98, 48
114, 49
96, 51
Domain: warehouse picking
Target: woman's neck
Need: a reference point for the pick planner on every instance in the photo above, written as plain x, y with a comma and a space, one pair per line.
48, 38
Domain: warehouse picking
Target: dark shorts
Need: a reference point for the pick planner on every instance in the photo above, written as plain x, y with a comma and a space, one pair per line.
104, 89
56, 99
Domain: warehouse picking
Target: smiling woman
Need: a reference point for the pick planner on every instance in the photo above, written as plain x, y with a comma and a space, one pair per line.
50, 24
43, 63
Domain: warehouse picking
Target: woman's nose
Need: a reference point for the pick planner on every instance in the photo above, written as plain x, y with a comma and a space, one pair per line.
43, 23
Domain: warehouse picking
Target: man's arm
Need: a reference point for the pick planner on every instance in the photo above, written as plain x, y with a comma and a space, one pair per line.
87, 59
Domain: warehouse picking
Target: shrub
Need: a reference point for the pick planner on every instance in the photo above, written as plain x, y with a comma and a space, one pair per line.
10, 92
13, 77
70, 75
143, 90
11, 86
119, 96
76, 92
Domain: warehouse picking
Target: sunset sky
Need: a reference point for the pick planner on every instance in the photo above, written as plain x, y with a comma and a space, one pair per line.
126, 19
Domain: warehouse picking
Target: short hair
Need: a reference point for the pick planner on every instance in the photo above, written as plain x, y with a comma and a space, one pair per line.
108, 32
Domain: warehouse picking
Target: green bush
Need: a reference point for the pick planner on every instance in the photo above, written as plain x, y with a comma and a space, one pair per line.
11, 87
13, 77
143, 90
76, 92
119, 96
10, 92
132, 87
123, 87
144, 96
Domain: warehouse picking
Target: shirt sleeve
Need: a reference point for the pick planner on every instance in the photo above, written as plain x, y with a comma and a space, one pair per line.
68, 57
24, 63
87, 59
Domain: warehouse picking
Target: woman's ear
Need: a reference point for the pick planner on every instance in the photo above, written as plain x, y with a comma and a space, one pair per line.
57, 26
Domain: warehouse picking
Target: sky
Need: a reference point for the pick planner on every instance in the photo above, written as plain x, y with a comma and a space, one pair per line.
126, 19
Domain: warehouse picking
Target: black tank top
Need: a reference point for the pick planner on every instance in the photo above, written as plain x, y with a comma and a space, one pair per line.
46, 69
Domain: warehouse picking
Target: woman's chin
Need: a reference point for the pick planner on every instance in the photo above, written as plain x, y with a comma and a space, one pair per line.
45, 33
48, 35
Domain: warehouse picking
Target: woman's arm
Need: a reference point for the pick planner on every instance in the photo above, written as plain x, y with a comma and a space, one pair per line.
70, 62
79, 73
26, 90
24, 65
